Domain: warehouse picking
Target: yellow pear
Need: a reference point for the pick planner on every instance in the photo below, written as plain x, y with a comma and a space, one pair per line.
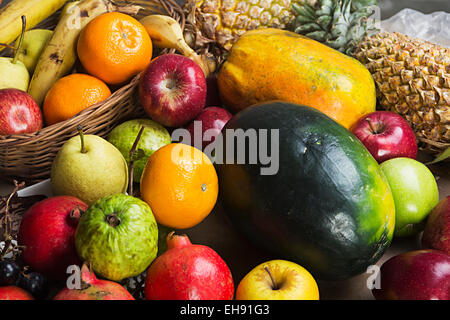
88, 167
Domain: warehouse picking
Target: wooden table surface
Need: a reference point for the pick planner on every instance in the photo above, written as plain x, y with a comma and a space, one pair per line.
216, 232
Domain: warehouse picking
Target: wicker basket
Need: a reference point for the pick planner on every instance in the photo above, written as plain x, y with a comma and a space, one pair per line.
28, 157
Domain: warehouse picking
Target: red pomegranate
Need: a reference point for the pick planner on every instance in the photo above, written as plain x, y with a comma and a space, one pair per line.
14, 293
188, 272
47, 231
92, 288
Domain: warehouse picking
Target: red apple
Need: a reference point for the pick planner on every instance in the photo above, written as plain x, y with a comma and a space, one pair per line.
172, 90
212, 91
14, 293
47, 231
415, 275
207, 126
437, 228
19, 112
186, 271
386, 135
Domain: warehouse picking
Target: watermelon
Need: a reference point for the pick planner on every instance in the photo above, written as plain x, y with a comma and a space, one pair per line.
328, 205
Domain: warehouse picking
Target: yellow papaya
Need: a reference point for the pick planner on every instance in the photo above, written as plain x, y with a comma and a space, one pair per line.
272, 64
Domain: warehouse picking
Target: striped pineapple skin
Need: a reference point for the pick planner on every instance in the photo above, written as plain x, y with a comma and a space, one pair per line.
412, 77
227, 20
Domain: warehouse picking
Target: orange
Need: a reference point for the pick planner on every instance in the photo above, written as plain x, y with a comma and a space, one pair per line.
114, 47
71, 95
180, 185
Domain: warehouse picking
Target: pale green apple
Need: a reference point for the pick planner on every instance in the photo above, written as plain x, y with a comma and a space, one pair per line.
415, 193
34, 41
88, 170
13, 74
278, 280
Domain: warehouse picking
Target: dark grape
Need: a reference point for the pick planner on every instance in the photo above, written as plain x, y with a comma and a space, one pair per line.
9, 272
35, 283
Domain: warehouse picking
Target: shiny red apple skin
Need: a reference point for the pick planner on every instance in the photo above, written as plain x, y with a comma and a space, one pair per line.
436, 234
47, 231
415, 275
393, 136
212, 119
172, 90
19, 112
14, 293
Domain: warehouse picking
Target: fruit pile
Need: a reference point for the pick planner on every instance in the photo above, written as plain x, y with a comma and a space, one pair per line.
284, 135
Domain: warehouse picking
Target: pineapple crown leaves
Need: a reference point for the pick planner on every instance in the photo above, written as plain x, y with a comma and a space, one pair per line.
340, 24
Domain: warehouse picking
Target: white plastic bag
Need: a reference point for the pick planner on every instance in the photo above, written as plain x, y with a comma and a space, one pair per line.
434, 27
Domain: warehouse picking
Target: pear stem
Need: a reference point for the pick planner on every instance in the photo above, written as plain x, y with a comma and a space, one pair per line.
80, 131
24, 24
274, 284
131, 165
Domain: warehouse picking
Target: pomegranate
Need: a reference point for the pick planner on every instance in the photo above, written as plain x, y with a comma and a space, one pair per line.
14, 293
92, 288
47, 231
188, 272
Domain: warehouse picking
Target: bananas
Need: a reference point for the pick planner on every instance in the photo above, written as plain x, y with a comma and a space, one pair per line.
166, 32
34, 10
60, 54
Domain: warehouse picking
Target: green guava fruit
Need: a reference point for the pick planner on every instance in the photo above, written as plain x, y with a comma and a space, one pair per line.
153, 137
118, 235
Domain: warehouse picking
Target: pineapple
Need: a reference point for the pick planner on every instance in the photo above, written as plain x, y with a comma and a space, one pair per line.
340, 24
224, 21
413, 79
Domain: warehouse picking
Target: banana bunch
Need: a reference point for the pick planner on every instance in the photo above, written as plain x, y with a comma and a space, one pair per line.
60, 54
34, 10
166, 32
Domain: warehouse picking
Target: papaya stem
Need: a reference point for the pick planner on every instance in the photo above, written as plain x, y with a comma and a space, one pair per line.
24, 24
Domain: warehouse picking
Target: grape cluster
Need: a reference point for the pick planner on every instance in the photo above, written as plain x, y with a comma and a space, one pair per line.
11, 275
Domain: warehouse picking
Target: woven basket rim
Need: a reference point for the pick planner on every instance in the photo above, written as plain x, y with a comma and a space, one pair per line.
20, 138
171, 7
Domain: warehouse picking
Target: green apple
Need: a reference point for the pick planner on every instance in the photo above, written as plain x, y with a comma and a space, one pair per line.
415, 194
118, 235
34, 42
153, 137
278, 280
89, 168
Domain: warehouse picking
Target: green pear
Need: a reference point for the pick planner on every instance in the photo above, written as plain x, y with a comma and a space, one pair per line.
13, 73
34, 41
88, 167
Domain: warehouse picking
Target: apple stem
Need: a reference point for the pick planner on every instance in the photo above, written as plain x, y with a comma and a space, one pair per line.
274, 284
24, 24
80, 131
131, 165
371, 126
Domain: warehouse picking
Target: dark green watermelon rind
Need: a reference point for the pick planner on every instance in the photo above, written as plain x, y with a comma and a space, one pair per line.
329, 208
